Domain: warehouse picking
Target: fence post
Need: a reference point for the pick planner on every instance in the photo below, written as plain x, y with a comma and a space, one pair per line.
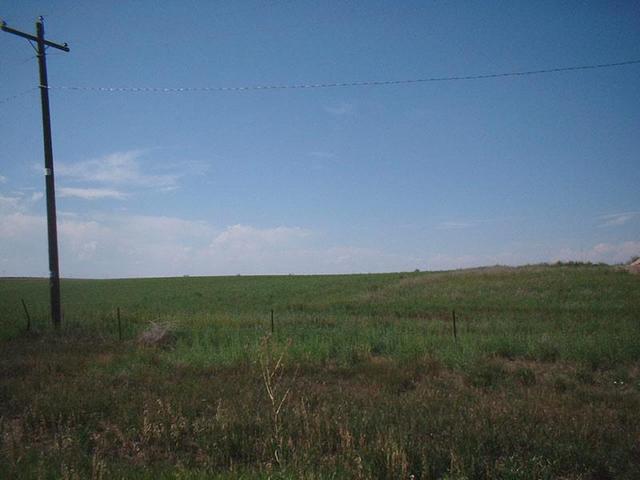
119, 324
26, 312
455, 331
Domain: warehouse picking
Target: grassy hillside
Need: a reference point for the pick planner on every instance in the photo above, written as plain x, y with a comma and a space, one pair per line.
541, 381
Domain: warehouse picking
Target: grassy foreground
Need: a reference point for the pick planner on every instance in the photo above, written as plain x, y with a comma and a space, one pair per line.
361, 378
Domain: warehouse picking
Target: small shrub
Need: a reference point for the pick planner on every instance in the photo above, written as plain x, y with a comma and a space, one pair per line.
505, 347
545, 351
562, 384
378, 348
620, 374
486, 374
359, 354
157, 335
585, 376
525, 376
597, 359
402, 383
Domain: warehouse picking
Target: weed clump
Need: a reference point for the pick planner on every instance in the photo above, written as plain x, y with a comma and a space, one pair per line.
487, 373
158, 335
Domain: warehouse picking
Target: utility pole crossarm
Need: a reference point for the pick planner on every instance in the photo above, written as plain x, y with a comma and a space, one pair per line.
33, 38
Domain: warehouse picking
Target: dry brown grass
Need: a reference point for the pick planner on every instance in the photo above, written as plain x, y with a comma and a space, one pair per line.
543, 382
380, 419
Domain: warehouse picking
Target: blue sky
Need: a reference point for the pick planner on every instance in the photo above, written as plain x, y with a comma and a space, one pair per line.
358, 179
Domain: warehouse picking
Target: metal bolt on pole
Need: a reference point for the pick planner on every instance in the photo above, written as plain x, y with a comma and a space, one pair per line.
54, 271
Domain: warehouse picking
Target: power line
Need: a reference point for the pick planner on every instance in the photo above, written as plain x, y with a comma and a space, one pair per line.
18, 95
344, 84
325, 85
17, 63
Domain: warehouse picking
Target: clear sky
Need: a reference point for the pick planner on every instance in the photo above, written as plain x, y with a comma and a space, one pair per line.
357, 179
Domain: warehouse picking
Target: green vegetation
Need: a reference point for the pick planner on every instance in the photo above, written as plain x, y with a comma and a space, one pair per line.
362, 377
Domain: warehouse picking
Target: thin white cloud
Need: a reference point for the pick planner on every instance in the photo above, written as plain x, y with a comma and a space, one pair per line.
64, 213
610, 253
453, 225
250, 236
129, 245
319, 160
353, 259
116, 169
91, 193
617, 219
169, 189
340, 109
281, 250
18, 202
124, 245
20, 225
3, 179
186, 167
462, 224
10, 203
445, 261
602, 252
322, 155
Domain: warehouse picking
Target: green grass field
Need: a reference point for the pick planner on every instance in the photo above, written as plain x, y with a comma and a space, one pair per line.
361, 378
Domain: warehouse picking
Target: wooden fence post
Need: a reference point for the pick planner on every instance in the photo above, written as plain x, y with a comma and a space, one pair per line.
455, 331
119, 324
26, 312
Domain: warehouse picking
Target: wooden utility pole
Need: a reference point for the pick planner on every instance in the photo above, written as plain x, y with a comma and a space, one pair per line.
52, 230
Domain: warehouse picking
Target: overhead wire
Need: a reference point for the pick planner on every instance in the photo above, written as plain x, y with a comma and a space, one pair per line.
17, 63
18, 95
301, 86
365, 83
